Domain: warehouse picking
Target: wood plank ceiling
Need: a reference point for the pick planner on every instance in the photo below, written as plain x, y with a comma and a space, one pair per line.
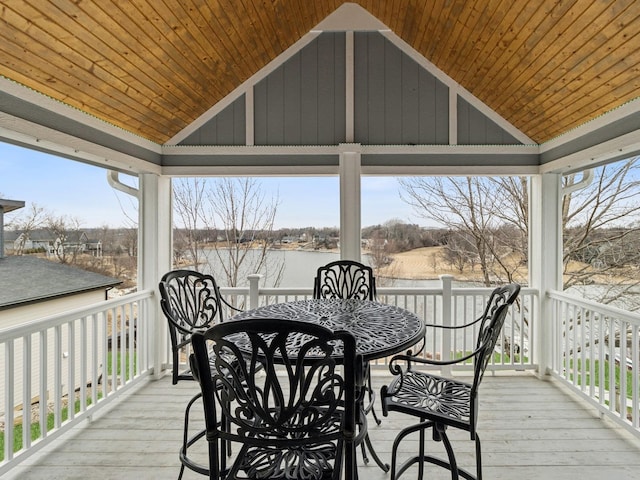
153, 66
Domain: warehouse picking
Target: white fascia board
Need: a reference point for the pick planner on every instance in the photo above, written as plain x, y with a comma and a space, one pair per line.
55, 106
250, 150
243, 88
252, 171
596, 155
597, 123
14, 129
451, 149
456, 88
346, 147
450, 170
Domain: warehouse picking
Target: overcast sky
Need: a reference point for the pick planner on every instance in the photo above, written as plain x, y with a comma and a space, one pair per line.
66, 187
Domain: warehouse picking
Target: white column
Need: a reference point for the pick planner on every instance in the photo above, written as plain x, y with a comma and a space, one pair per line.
350, 208
154, 256
545, 257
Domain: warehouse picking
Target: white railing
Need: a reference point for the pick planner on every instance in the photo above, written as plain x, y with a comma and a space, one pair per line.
444, 305
59, 370
595, 352
89, 356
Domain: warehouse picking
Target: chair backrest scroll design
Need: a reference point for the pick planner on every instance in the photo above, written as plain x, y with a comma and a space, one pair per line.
345, 279
295, 401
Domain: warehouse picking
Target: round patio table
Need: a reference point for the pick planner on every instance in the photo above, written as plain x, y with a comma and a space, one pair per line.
380, 330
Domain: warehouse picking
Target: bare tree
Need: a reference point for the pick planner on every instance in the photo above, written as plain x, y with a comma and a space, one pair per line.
245, 219
474, 206
239, 222
66, 234
602, 231
190, 196
26, 222
601, 226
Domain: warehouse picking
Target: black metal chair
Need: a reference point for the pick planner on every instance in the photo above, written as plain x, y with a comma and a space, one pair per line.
441, 402
345, 279
296, 420
191, 302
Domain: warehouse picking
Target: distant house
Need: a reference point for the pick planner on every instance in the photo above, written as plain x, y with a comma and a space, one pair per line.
51, 244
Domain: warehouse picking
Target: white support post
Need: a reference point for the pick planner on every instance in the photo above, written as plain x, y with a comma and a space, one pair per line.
154, 256
350, 207
545, 257
254, 290
447, 320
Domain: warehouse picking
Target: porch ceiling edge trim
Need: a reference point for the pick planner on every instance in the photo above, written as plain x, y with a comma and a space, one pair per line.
43, 139
31, 99
448, 171
619, 148
624, 111
252, 170
33, 120
189, 151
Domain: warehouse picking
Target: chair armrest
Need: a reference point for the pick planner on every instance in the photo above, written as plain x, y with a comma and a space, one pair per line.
397, 369
454, 327
410, 359
232, 307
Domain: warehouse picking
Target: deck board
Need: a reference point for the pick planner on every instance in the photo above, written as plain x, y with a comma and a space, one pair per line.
530, 429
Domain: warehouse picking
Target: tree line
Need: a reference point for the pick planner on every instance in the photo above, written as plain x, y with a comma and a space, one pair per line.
482, 225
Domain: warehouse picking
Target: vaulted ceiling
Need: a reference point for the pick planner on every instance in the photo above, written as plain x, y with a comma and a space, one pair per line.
152, 67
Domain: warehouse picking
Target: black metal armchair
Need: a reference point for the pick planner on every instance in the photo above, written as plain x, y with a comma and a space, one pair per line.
345, 279
348, 279
296, 420
441, 402
191, 302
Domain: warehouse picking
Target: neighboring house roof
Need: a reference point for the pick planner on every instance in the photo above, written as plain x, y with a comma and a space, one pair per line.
27, 279
41, 235
11, 236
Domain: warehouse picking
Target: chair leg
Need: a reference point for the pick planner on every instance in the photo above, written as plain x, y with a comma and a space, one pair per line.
478, 458
396, 471
440, 434
372, 399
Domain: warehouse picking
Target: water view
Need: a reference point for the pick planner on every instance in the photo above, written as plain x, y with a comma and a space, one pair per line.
300, 267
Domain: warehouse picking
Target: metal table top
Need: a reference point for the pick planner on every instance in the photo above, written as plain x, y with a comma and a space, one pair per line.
380, 329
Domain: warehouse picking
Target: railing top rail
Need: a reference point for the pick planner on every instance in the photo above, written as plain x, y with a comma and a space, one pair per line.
59, 318
609, 310
432, 291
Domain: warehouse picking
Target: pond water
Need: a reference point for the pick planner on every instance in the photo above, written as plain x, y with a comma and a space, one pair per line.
300, 267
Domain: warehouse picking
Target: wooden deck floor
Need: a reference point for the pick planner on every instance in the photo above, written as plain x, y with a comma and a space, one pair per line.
530, 429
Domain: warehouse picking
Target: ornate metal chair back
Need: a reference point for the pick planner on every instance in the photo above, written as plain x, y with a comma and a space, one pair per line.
293, 420
345, 279
491, 327
190, 301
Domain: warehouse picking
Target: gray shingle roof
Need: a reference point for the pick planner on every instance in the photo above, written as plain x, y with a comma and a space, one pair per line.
26, 279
